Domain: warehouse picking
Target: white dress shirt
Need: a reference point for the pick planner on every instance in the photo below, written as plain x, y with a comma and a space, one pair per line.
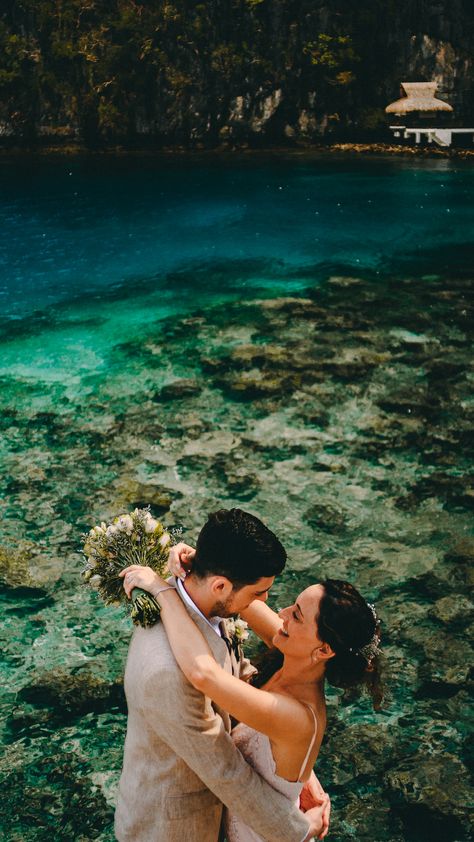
213, 622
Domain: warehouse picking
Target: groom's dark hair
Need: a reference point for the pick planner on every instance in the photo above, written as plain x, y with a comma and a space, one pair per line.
237, 545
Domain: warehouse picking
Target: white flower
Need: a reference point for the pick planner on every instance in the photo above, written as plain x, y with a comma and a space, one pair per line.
230, 627
125, 523
150, 525
165, 539
86, 575
103, 526
95, 581
241, 629
97, 531
111, 530
91, 561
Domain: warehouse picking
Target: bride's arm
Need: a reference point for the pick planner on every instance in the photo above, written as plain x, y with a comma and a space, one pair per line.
261, 619
268, 713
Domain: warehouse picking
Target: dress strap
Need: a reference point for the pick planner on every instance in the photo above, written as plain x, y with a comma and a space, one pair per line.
312, 740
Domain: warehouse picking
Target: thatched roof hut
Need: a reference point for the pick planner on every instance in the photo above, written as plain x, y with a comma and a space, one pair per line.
417, 96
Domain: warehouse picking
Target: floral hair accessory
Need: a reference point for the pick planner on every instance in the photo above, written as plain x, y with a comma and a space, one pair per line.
372, 648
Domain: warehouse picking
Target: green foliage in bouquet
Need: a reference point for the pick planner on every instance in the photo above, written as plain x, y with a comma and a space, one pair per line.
135, 538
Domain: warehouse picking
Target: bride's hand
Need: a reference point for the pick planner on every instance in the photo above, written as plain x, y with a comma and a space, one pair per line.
180, 560
326, 815
319, 820
137, 576
312, 793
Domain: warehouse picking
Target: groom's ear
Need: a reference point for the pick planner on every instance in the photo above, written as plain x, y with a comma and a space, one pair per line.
221, 587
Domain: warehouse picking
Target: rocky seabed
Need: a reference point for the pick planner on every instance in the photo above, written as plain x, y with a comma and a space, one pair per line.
343, 417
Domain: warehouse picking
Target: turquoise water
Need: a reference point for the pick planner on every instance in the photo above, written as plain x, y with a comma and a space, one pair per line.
292, 335
77, 227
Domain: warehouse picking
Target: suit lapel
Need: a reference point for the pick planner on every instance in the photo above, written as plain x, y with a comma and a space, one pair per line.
230, 647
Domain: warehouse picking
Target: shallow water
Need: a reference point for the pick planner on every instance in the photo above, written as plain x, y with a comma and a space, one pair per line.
292, 336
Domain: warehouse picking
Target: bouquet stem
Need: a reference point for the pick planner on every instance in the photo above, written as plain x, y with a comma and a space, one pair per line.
145, 609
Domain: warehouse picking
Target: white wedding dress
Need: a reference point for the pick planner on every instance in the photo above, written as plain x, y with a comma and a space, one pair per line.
256, 749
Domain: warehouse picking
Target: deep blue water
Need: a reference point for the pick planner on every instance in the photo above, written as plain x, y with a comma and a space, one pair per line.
79, 226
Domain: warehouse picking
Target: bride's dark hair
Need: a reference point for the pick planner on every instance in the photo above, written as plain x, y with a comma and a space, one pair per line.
349, 625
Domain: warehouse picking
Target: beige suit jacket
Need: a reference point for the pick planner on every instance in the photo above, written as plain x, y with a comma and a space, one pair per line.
180, 765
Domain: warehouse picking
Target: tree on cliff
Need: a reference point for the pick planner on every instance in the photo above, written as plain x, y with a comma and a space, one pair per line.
257, 71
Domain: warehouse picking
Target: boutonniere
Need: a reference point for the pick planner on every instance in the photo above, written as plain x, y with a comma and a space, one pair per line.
237, 633
238, 629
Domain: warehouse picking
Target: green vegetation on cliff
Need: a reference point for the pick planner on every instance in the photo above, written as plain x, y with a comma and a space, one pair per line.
258, 71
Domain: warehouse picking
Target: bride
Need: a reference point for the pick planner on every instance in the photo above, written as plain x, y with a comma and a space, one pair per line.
330, 633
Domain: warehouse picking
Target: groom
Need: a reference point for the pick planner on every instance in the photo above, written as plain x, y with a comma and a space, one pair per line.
180, 765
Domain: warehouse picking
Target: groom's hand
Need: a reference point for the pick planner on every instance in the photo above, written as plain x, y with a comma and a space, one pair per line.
180, 560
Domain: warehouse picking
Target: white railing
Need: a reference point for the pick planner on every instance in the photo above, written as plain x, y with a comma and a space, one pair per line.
442, 137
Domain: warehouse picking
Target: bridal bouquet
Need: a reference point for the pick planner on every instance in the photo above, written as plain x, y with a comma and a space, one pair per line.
135, 538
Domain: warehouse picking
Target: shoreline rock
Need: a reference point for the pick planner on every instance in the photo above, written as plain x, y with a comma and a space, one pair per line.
231, 151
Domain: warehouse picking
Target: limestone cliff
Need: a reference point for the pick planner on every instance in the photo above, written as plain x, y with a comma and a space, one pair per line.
257, 72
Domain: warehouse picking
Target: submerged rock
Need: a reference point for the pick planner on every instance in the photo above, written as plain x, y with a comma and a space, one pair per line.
15, 567
227, 469
453, 610
207, 445
415, 400
361, 750
365, 817
447, 669
256, 384
50, 796
430, 794
324, 517
178, 389
67, 694
240, 483
455, 490
139, 495
26, 568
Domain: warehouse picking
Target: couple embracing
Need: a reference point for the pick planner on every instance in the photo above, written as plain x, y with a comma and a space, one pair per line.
187, 776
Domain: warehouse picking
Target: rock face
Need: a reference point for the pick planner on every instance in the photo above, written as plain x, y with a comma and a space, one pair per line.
171, 74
